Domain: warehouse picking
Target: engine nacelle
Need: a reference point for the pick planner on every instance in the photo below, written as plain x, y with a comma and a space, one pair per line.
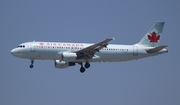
68, 56
63, 64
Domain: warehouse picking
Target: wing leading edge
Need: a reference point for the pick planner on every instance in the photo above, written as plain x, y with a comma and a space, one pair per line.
88, 52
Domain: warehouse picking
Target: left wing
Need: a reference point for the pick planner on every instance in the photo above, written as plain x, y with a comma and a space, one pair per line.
88, 52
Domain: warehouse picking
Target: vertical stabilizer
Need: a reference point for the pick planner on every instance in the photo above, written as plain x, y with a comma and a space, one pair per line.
153, 36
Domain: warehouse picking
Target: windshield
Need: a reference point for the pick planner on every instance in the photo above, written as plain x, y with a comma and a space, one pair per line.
21, 46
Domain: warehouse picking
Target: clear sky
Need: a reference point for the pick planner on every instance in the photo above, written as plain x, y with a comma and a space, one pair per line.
149, 81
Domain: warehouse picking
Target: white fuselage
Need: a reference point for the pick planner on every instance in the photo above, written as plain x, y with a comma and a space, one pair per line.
53, 50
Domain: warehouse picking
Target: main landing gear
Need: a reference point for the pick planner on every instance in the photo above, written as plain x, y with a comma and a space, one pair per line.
82, 69
31, 66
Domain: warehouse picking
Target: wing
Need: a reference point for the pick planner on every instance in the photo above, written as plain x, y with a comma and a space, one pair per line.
88, 52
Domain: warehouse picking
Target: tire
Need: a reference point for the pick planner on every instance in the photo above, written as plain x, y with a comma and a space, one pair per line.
87, 65
82, 69
31, 66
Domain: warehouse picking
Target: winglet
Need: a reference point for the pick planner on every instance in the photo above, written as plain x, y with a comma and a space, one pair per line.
114, 38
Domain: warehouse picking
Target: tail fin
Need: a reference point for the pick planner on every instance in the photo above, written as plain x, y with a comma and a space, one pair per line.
153, 35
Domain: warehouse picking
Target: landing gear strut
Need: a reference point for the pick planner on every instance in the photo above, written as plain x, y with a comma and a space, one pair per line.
31, 66
82, 69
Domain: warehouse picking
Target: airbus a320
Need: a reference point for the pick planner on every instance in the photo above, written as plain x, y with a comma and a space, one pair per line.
68, 54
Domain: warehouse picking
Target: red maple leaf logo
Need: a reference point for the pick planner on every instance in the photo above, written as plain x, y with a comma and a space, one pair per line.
153, 37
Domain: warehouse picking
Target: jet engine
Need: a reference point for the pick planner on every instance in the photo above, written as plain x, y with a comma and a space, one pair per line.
63, 64
68, 56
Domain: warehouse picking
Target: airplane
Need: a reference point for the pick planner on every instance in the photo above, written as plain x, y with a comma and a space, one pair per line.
68, 54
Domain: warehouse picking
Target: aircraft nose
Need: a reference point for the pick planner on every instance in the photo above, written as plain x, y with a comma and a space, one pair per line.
14, 52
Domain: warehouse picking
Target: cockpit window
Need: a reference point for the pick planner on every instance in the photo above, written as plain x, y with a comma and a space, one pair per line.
21, 46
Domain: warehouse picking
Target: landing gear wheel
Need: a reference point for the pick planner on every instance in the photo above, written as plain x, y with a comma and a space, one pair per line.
82, 69
31, 66
87, 65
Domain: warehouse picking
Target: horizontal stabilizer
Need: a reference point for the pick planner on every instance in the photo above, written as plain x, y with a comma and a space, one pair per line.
156, 49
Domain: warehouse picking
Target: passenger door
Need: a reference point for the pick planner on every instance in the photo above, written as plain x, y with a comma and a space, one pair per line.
32, 47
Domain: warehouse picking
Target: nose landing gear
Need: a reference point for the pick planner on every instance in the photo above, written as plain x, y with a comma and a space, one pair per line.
31, 66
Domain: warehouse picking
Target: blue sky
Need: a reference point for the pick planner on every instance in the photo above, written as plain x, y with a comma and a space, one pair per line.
149, 81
